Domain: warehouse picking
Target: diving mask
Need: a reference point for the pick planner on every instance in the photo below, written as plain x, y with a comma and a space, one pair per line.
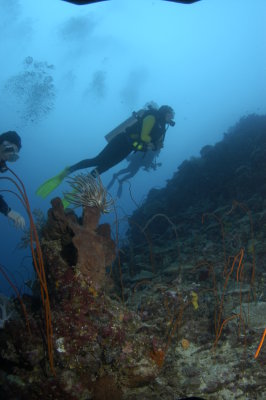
8, 151
169, 117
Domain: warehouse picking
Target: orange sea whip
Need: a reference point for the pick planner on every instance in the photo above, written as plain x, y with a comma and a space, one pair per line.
37, 261
260, 344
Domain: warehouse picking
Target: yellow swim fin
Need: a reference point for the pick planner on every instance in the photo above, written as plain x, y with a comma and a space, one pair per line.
65, 202
68, 197
51, 184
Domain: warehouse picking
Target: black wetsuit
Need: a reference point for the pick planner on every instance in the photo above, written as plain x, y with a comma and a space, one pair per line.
123, 144
4, 209
13, 137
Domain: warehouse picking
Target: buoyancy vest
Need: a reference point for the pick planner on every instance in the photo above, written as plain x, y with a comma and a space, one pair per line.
149, 128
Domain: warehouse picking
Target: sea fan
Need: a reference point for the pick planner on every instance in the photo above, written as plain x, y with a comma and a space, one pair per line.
88, 191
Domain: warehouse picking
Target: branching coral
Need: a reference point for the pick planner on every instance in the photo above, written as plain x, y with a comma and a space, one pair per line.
88, 191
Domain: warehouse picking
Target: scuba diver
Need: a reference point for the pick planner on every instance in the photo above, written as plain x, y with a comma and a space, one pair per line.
146, 131
137, 160
10, 145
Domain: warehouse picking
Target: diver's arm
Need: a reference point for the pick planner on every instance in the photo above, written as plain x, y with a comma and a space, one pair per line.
17, 219
14, 216
4, 209
147, 125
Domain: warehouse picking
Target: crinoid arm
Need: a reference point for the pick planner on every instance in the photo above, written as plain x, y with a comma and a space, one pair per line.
88, 191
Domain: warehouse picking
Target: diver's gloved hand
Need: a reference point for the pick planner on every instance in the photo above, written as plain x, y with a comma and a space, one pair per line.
17, 219
50, 185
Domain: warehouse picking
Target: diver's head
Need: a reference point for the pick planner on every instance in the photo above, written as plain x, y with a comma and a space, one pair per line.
10, 144
167, 114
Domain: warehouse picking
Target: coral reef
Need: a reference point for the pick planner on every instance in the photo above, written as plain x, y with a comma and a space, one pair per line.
98, 352
205, 233
178, 311
232, 169
7, 310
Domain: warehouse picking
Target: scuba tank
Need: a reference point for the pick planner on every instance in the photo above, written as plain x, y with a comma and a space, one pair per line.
125, 124
136, 115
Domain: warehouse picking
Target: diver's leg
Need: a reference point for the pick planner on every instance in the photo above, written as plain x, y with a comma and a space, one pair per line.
121, 172
125, 178
89, 162
128, 176
115, 176
112, 181
132, 169
119, 190
114, 152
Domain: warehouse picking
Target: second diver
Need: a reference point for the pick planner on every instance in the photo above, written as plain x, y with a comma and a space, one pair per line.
147, 133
